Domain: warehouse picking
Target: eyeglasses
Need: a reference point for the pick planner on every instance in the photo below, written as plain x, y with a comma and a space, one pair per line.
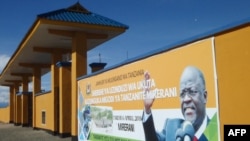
189, 92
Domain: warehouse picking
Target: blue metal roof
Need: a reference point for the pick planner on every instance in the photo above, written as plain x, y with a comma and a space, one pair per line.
78, 14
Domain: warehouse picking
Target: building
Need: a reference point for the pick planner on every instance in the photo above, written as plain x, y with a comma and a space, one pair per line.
75, 30
69, 32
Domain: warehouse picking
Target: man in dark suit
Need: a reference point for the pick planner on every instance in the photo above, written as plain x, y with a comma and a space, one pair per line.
193, 97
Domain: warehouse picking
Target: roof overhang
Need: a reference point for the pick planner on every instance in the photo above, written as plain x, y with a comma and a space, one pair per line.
51, 35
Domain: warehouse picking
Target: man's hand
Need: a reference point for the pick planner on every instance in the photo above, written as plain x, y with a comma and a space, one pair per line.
148, 97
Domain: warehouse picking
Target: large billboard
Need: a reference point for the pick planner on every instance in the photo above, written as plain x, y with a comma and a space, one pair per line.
167, 96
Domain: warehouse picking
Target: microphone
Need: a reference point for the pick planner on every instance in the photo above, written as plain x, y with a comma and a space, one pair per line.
188, 130
179, 135
186, 133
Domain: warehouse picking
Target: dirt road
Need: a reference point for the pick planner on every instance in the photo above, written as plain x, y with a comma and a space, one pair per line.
9, 132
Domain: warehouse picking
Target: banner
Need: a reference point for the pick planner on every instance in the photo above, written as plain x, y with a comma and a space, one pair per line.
118, 104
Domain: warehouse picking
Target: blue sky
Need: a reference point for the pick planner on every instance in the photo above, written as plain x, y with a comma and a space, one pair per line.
152, 24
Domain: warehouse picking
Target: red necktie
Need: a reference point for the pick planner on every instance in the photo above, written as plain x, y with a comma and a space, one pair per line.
195, 138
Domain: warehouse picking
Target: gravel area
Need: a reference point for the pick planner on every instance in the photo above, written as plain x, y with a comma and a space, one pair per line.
9, 132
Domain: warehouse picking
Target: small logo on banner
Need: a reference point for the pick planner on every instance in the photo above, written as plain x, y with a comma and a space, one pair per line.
241, 132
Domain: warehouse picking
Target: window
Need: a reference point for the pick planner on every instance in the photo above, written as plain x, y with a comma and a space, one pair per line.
43, 117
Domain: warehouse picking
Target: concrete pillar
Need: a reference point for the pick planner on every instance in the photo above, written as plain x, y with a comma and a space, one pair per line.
17, 105
78, 68
24, 101
36, 88
18, 109
65, 98
12, 103
55, 89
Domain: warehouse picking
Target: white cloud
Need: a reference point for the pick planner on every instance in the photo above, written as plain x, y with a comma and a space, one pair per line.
4, 95
3, 61
4, 91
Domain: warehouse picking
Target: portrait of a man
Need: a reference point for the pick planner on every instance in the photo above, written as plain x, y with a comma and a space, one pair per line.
193, 99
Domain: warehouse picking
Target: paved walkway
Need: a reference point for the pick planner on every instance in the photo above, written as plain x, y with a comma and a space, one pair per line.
9, 132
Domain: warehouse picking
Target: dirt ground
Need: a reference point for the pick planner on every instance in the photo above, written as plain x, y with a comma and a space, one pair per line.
9, 132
